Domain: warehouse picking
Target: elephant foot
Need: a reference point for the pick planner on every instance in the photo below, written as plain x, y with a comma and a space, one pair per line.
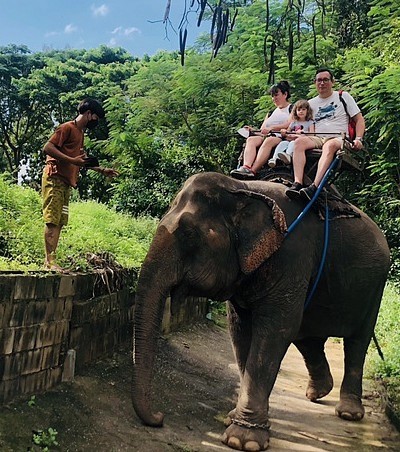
248, 439
319, 388
350, 408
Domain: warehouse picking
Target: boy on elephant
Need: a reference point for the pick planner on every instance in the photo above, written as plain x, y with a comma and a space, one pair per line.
330, 117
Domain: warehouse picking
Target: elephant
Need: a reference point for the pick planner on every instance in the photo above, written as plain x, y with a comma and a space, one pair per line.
226, 239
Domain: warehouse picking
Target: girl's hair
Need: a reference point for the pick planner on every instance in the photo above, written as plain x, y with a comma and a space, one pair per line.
302, 103
282, 86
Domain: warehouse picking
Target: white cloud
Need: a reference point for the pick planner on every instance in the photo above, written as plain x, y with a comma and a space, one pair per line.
51, 33
116, 31
70, 28
120, 31
129, 31
99, 10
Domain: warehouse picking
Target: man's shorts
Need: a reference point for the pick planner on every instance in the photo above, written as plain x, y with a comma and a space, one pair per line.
55, 194
319, 141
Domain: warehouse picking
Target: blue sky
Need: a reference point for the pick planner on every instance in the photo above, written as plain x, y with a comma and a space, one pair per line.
82, 24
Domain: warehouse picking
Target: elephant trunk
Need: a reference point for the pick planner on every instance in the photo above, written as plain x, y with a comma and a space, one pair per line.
155, 283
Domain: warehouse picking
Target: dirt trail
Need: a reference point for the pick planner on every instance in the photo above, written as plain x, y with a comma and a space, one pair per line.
195, 387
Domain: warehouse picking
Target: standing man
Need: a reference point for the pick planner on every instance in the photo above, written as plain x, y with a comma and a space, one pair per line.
330, 117
64, 158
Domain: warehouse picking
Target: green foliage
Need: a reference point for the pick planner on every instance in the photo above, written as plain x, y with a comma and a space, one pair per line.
158, 169
32, 401
21, 229
387, 333
217, 313
388, 336
96, 229
45, 439
93, 228
40, 90
376, 87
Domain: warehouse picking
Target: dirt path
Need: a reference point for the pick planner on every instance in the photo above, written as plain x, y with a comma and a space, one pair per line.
195, 387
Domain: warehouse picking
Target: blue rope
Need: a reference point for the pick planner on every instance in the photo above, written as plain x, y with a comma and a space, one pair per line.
323, 258
332, 166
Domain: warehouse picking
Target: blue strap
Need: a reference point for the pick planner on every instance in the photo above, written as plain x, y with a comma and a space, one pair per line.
323, 258
332, 166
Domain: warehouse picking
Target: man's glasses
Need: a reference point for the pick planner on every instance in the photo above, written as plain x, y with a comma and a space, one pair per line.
323, 80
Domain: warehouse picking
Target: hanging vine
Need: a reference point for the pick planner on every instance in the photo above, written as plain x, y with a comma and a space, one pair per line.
285, 35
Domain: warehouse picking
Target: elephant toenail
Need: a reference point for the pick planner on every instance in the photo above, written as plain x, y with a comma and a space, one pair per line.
234, 443
252, 446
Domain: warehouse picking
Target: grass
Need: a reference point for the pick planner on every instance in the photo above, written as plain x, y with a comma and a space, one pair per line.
93, 228
387, 332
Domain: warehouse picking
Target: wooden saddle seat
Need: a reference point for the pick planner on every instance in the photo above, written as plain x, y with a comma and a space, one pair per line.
350, 160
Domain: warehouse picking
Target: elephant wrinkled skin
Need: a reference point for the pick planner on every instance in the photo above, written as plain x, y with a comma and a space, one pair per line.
225, 239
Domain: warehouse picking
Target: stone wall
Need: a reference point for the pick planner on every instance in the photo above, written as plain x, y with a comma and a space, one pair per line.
54, 324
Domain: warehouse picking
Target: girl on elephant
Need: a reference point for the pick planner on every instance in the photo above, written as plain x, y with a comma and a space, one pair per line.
258, 148
303, 122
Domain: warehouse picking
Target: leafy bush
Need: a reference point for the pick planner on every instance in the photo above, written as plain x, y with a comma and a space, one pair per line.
21, 227
92, 228
154, 173
388, 336
45, 439
387, 333
95, 228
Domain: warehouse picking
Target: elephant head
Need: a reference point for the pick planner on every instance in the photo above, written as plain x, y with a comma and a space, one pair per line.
216, 232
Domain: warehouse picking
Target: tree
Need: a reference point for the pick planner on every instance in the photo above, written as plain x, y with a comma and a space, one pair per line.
20, 116
41, 90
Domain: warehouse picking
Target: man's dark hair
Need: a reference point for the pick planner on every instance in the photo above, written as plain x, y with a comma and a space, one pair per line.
93, 105
324, 69
282, 86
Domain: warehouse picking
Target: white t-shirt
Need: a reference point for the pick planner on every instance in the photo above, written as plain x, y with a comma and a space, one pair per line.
330, 115
278, 116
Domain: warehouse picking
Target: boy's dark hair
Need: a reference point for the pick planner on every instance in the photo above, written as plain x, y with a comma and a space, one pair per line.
324, 69
282, 86
93, 105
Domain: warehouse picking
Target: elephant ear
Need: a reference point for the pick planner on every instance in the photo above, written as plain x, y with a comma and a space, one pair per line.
261, 227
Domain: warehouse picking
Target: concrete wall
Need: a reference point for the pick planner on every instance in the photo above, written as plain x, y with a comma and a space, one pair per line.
54, 324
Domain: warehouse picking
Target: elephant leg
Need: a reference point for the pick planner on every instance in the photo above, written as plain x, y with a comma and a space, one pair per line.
249, 429
350, 406
320, 381
240, 329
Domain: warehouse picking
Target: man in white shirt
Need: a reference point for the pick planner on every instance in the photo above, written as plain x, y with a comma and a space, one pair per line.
330, 117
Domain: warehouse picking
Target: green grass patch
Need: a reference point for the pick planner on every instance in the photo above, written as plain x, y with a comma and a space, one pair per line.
388, 336
93, 228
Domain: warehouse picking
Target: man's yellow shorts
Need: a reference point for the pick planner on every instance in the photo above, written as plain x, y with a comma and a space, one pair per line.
55, 194
320, 141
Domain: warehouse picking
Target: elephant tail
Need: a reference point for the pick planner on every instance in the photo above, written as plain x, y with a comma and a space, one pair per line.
378, 347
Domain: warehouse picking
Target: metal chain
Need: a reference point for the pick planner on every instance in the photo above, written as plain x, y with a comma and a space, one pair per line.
246, 424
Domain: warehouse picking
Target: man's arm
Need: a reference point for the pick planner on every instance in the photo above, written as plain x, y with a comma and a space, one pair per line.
108, 172
360, 130
53, 151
